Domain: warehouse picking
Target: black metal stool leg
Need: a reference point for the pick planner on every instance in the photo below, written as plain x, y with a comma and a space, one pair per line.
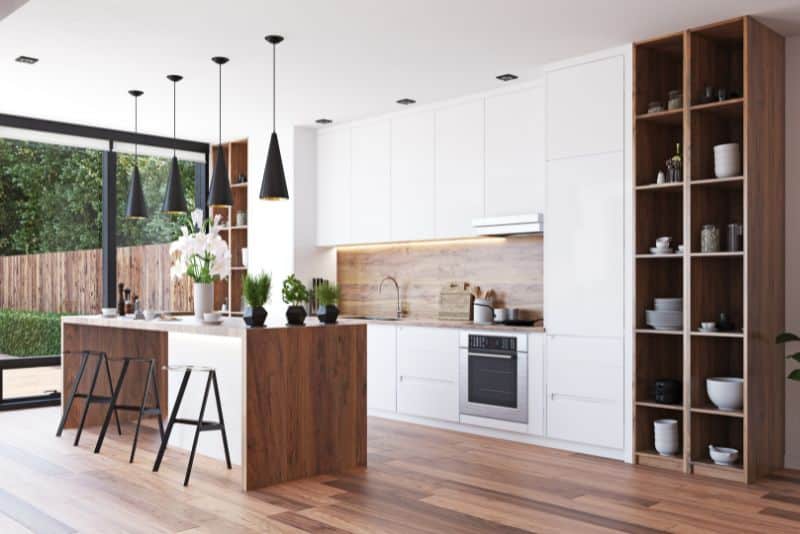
112, 406
88, 399
158, 402
68, 407
141, 409
171, 422
111, 387
221, 420
197, 430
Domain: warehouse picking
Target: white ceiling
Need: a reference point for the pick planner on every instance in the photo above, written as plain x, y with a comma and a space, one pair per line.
342, 59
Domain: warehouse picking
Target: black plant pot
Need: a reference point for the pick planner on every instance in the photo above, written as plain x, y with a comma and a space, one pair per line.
255, 316
328, 314
296, 315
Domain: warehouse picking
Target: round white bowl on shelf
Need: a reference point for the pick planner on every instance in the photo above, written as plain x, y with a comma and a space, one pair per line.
668, 304
727, 160
726, 392
723, 455
108, 312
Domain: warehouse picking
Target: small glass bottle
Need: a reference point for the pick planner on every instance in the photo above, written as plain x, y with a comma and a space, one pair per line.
677, 164
709, 238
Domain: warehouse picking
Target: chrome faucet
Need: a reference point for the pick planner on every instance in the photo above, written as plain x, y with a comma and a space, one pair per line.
397, 289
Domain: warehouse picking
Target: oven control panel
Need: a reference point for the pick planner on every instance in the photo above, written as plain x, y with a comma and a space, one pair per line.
507, 344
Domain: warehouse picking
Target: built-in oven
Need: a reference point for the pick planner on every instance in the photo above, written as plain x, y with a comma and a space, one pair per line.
493, 375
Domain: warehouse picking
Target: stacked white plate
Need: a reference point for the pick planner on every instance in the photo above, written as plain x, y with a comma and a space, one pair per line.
666, 436
668, 314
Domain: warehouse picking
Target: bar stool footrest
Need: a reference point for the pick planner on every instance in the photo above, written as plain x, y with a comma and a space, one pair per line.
204, 426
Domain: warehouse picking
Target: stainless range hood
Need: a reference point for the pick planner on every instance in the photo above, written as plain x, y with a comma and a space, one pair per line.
511, 225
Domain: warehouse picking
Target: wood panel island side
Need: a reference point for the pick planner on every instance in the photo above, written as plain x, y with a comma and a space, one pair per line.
293, 398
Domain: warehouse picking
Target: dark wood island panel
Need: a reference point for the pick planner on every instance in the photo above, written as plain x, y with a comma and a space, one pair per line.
117, 343
306, 402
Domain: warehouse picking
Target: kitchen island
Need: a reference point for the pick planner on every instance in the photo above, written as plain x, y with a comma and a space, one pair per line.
293, 398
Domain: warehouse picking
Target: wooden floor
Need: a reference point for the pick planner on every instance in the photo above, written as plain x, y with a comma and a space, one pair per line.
418, 480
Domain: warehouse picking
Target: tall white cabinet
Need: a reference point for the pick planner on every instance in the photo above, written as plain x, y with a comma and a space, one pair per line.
371, 188
333, 187
584, 255
413, 189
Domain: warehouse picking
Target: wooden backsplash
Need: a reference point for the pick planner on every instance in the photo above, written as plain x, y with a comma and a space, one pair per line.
512, 267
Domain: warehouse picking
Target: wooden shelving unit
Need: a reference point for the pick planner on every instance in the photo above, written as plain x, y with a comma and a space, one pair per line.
745, 57
230, 290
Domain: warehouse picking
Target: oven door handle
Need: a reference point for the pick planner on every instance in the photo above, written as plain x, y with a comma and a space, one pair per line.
487, 355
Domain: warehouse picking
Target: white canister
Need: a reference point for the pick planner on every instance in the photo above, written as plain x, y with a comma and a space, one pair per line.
727, 160
482, 312
244, 256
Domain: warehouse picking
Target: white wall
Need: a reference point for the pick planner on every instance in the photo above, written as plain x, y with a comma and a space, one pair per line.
792, 241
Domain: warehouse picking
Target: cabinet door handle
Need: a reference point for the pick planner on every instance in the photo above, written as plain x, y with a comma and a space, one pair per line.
579, 398
487, 355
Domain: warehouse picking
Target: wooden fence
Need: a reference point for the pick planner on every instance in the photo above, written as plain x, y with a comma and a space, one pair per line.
71, 282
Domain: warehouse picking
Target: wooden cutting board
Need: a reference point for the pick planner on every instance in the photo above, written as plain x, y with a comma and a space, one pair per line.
455, 302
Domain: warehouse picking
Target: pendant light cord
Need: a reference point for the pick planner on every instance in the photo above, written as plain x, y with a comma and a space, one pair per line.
174, 116
274, 96
220, 105
136, 130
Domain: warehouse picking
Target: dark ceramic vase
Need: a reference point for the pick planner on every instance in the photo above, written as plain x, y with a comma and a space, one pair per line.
255, 316
328, 314
296, 315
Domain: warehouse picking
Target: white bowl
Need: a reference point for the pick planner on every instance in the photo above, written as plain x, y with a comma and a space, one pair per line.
212, 317
108, 312
149, 315
723, 455
726, 392
668, 304
664, 320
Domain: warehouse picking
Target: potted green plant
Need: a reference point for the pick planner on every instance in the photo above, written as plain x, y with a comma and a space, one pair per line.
787, 337
328, 298
256, 289
294, 294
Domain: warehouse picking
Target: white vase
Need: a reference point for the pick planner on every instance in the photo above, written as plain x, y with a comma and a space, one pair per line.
203, 299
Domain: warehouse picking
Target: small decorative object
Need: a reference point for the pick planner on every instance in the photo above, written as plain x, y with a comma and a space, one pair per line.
121, 300
244, 256
241, 179
675, 166
787, 337
735, 232
661, 178
667, 391
256, 290
709, 238
709, 95
724, 324
727, 160
726, 392
655, 107
666, 436
675, 100
202, 255
241, 218
708, 326
722, 94
128, 302
327, 296
138, 314
294, 294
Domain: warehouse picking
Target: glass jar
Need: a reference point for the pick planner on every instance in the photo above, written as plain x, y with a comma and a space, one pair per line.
709, 238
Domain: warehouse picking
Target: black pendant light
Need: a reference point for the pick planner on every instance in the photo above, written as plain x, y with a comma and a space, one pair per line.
174, 201
273, 185
137, 209
220, 193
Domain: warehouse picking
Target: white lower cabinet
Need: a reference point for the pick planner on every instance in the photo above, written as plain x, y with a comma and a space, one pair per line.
585, 390
427, 372
536, 384
382, 367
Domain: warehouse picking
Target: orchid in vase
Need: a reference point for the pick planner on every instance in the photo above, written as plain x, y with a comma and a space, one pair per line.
201, 254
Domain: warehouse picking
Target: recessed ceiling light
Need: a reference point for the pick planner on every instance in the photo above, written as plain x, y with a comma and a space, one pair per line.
323, 121
507, 77
28, 60
406, 101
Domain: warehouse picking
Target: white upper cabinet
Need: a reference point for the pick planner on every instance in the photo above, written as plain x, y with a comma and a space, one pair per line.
515, 156
583, 248
333, 187
413, 179
459, 168
371, 183
585, 108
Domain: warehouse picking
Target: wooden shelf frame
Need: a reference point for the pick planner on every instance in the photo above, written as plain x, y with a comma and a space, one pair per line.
746, 57
236, 155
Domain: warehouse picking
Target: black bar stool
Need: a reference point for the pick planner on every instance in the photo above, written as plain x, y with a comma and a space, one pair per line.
150, 384
199, 424
91, 398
